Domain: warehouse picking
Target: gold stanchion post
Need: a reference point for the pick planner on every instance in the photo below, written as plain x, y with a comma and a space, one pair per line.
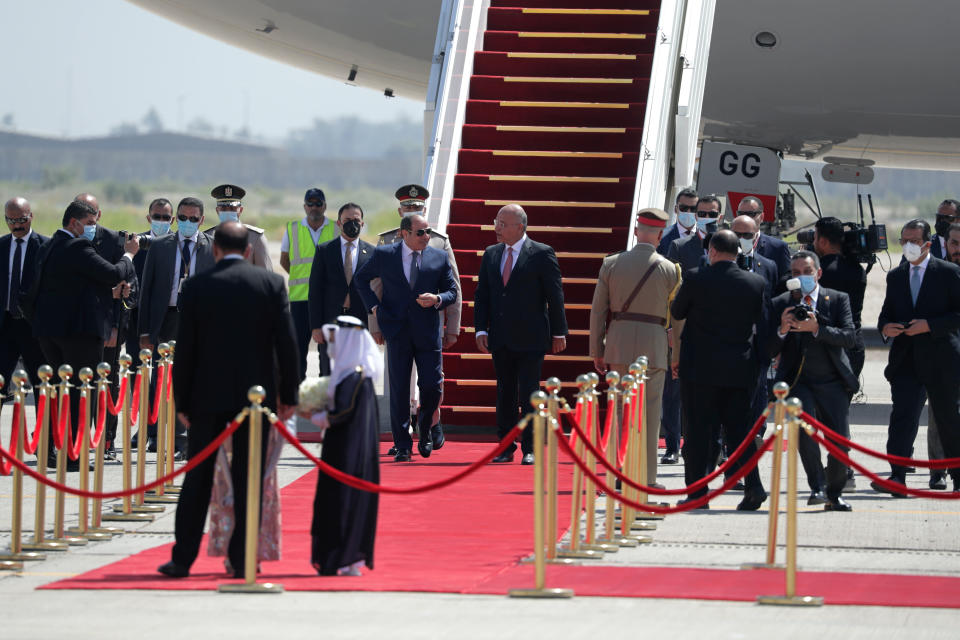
169, 487
574, 548
65, 372
163, 447
250, 585
553, 386
17, 554
83, 527
96, 514
794, 408
629, 519
643, 444
539, 401
593, 416
143, 421
40, 541
124, 512
780, 391
610, 505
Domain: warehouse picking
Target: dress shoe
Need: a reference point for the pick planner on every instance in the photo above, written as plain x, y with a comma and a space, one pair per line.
402, 455
506, 456
896, 494
670, 457
51, 460
151, 445
740, 486
392, 451
527, 459
752, 501
910, 469
938, 482
837, 504
425, 447
686, 500
179, 455
816, 497
110, 452
174, 570
436, 434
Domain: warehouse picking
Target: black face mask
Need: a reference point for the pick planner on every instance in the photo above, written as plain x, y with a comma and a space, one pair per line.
352, 228
942, 225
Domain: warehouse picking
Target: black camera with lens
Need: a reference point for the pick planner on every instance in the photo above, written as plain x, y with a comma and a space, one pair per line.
145, 240
803, 311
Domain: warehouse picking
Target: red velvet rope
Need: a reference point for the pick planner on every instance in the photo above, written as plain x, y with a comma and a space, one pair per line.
608, 427
625, 433
580, 410
687, 506
101, 420
73, 450
115, 408
699, 484
135, 400
842, 456
60, 421
205, 453
946, 463
160, 393
30, 446
371, 487
7, 467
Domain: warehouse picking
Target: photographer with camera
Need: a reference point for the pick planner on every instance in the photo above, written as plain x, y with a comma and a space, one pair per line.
843, 273
813, 327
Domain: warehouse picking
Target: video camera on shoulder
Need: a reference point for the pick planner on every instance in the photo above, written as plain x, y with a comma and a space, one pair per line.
801, 311
860, 241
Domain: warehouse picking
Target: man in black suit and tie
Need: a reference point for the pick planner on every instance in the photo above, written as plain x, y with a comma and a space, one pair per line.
70, 317
234, 332
19, 250
417, 283
519, 316
812, 340
332, 291
948, 213
171, 260
160, 217
768, 246
721, 305
921, 312
690, 251
685, 209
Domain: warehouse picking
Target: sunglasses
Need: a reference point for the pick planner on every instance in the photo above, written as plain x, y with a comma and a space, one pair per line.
687, 208
746, 235
422, 232
161, 217
185, 218
22, 220
314, 203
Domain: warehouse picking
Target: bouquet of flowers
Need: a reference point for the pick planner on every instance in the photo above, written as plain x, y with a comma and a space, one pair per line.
314, 399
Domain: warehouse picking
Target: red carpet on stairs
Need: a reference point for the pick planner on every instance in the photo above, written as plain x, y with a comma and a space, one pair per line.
553, 122
469, 538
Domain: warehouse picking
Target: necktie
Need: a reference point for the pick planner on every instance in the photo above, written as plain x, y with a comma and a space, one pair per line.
414, 267
508, 266
348, 272
807, 300
915, 280
15, 280
185, 260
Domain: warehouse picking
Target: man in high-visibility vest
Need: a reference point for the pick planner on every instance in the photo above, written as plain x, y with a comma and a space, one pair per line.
300, 241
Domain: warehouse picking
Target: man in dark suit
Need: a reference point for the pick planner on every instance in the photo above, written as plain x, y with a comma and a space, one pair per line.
685, 209
814, 362
690, 251
234, 332
70, 317
19, 251
172, 259
721, 306
519, 317
767, 246
948, 213
160, 217
332, 291
921, 312
417, 283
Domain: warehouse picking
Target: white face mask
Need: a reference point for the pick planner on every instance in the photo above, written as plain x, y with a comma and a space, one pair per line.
746, 246
686, 219
912, 251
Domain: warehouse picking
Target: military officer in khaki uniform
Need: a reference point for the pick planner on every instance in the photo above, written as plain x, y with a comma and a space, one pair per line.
412, 199
630, 316
229, 207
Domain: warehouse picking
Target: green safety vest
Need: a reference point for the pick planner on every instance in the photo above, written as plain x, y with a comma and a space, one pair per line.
302, 251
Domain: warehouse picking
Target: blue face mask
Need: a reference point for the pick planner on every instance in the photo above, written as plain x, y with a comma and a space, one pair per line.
807, 284
228, 216
686, 219
187, 228
159, 227
703, 222
89, 230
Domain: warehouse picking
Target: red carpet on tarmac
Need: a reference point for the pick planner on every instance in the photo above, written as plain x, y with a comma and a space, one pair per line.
469, 537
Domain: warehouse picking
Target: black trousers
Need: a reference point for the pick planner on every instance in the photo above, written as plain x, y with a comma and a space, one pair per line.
909, 393
670, 413
78, 352
402, 353
829, 403
198, 484
168, 331
300, 311
518, 376
16, 342
708, 408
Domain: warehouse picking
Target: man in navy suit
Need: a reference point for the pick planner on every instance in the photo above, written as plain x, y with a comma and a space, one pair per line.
921, 312
417, 283
685, 208
947, 213
18, 261
519, 316
691, 251
766, 246
332, 290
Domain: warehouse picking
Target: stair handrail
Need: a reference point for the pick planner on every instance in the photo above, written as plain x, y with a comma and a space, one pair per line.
468, 21
446, 31
656, 144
